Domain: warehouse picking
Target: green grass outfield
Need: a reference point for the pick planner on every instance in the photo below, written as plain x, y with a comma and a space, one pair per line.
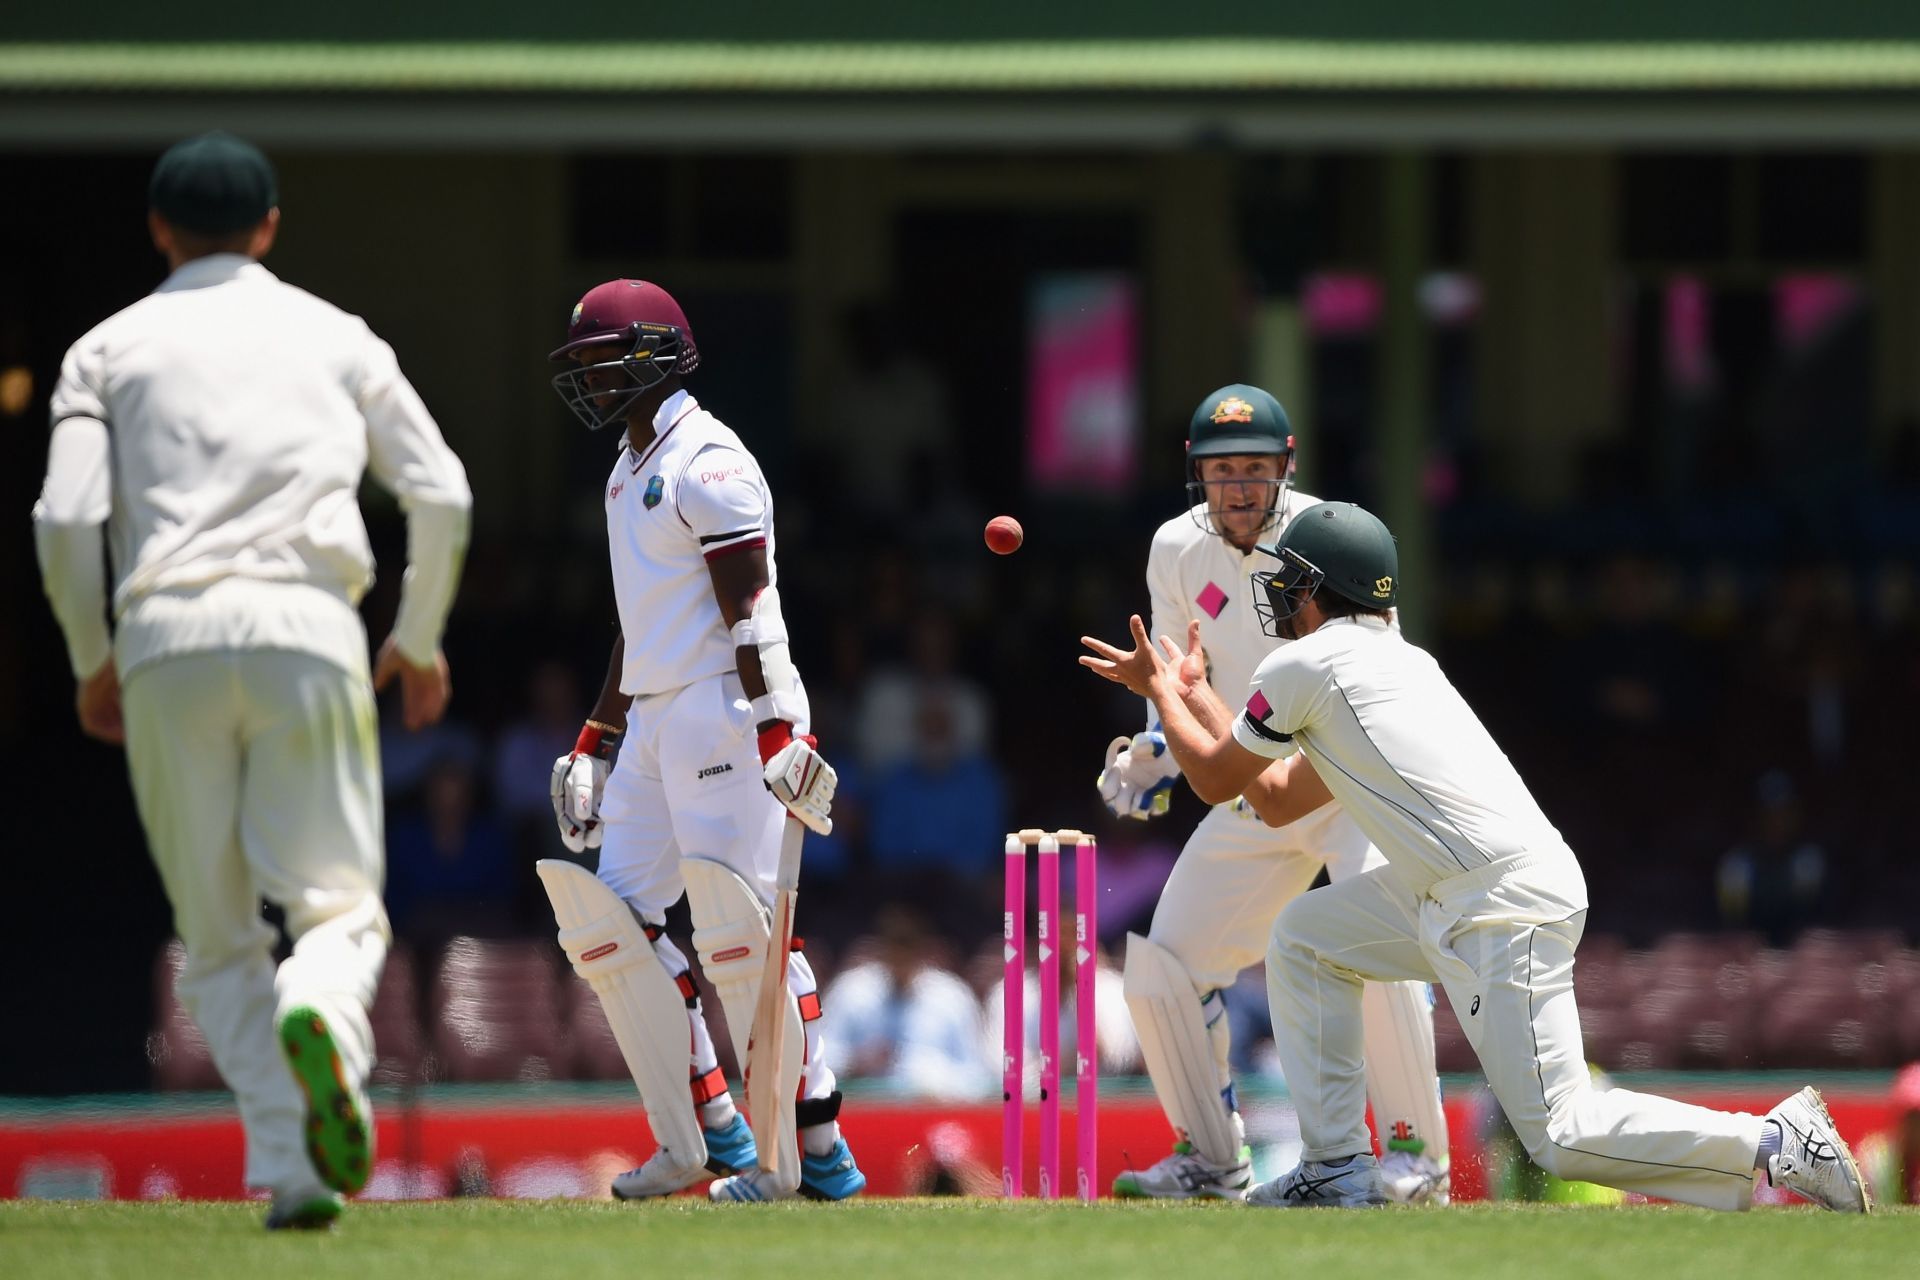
474, 1239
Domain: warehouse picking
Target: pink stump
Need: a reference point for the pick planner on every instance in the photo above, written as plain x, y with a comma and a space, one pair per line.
1086, 1040
1049, 961
1013, 1050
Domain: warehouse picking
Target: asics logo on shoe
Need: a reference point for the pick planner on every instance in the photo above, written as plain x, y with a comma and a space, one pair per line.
1193, 1177
1475, 1008
1309, 1188
1818, 1150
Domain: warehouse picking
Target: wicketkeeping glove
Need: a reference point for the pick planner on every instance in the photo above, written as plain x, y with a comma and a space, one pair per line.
797, 775
577, 783
1138, 780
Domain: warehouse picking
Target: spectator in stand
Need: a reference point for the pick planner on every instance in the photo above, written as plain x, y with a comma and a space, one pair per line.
406, 757
941, 810
1112, 1024
903, 1021
888, 720
449, 866
889, 406
1775, 881
547, 729
1634, 676
1891, 1159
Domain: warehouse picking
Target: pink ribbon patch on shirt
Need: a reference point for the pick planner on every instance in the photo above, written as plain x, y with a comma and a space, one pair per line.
1213, 600
1258, 707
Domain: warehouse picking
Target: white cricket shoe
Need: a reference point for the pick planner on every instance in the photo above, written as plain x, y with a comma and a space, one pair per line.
1814, 1162
750, 1187
1313, 1185
1187, 1175
1415, 1179
663, 1174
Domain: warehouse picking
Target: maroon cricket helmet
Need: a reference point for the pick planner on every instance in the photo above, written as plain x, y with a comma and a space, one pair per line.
653, 337
612, 311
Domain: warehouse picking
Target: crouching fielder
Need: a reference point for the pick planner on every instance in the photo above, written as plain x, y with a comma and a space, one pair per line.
1479, 893
693, 761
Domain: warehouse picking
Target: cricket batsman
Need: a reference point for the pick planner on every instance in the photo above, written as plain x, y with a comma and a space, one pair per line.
1236, 873
691, 763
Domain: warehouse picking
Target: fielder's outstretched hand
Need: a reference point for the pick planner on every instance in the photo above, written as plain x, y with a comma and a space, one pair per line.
1141, 669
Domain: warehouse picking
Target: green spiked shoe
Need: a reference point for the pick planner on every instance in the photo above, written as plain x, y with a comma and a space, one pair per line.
305, 1213
339, 1120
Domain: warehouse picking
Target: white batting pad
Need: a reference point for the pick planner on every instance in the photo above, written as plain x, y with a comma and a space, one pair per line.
1397, 1018
644, 1007
730, 932
1165, 1005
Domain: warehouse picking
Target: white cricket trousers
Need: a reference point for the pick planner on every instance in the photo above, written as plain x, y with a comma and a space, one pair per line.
1501, 939
688, 783
257, 774
1232, 879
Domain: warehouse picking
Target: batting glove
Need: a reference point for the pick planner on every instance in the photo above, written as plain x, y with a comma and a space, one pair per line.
798, 776
578, 781
1138, 780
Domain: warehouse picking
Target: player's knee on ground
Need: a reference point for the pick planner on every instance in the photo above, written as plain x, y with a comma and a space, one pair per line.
1555, 1144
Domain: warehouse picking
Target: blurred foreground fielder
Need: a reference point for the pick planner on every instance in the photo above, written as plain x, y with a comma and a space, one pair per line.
702, 691
1236, 873
218, 429
1479, 892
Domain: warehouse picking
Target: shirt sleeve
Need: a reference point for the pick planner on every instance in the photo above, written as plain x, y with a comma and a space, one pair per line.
1288, 690
74, 504
1166, 617
80, 391
407, 455
723, 499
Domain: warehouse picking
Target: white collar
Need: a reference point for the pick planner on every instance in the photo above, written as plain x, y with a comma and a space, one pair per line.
670, 409
1359, 620
214, 268
665, 418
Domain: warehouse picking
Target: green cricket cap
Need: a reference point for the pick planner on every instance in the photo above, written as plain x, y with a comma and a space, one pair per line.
213, 184
1238, 418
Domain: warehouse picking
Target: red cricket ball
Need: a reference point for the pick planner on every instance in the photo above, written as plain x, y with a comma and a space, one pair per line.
1004, 535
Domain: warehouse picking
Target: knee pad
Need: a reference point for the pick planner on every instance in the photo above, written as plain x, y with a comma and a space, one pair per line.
731, 932
1178, 1048
646, 1007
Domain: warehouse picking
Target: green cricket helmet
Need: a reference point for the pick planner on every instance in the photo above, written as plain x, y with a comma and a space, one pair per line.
1238, 419
1335, 545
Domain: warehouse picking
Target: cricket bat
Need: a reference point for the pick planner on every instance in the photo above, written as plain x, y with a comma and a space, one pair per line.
771, 1114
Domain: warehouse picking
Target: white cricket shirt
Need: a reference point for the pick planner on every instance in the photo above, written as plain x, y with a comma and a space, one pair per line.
219, 427
1398, 747
692, 495
1195, 574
